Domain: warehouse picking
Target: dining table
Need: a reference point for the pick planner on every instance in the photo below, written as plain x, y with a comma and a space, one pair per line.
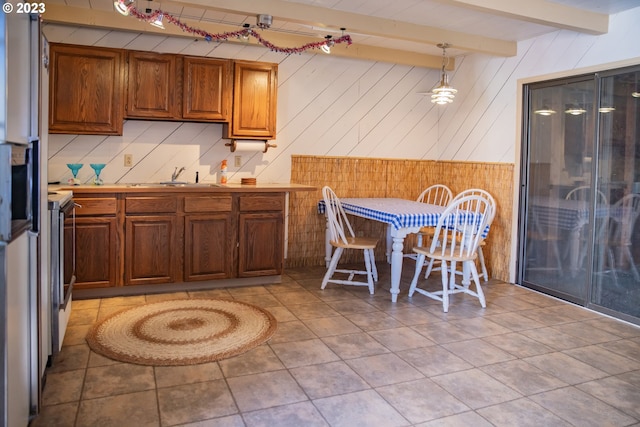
403, 217
571, 216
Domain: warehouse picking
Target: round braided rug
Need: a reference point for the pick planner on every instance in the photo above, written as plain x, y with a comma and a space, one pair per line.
181, 332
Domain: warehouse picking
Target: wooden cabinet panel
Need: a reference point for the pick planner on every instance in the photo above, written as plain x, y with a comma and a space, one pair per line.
96, 251
207, 89
260, 244
208, 203
262, 203
151, 204
208, 247
86, 90
151, 252
152, 86
95, 206
254, 101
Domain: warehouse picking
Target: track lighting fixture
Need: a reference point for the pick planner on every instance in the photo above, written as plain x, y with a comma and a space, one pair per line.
245, 35
158, 21
326, 47
122, 6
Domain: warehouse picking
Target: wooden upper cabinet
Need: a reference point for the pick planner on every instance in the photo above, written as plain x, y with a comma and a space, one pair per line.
207, 89
254, 101
152, 89
85, 90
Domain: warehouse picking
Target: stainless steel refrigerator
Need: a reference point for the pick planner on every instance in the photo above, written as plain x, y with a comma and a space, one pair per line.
20, 219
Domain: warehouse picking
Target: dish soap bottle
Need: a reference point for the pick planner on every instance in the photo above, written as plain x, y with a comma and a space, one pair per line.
223, 172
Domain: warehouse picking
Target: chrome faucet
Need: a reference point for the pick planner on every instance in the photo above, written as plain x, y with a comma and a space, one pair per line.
176, 173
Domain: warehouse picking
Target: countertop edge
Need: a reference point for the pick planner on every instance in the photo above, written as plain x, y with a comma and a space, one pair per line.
188, 188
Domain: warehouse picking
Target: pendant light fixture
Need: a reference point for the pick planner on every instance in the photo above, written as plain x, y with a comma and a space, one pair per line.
443, 94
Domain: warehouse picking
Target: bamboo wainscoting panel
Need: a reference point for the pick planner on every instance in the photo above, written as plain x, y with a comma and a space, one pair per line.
402, 178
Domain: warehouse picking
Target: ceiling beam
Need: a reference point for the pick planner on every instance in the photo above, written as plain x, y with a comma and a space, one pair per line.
541, 12
359, 24
76, 16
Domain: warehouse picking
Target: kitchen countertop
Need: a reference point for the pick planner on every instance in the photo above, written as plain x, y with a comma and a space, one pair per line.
182, 188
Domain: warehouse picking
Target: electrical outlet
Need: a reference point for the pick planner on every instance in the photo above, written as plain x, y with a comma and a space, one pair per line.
128, 160
237, 161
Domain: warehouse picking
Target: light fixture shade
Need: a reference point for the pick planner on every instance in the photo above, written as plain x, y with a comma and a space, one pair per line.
326, 47
545, 111
606, 109
574, 110
158, 21
443, 93
122, 6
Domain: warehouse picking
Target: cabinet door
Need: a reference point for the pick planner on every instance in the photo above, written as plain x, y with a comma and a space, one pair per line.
254, 101
260, 244
151, 254
96, 251
207, 89
152, 91
208, 241
86, 87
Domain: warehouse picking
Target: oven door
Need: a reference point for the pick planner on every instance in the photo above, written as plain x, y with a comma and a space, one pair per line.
61, 289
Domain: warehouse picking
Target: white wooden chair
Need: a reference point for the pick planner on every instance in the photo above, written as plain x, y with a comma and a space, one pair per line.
456, 239
437, 194
342, 237
614, 237
492, 203
584, 193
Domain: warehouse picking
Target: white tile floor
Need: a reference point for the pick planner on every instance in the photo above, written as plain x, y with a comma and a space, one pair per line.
341, 357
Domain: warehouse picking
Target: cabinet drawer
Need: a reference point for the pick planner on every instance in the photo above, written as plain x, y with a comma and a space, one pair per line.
251, 203
152, 204
207, 204
95, 206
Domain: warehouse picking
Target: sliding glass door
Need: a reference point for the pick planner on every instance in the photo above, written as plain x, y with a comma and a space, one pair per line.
616, 280
580, 198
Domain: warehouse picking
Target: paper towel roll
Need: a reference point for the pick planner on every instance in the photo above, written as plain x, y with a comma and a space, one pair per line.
251, 146
240, 145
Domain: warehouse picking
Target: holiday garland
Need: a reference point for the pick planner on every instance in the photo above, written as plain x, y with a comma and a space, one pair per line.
244, 32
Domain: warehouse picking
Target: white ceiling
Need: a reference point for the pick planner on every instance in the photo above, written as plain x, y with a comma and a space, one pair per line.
407, 31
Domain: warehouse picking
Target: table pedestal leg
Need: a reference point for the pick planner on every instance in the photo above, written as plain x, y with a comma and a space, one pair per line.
389, 244
396, 266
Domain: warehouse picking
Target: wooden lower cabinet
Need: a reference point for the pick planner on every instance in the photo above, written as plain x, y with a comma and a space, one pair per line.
260, 245
260, 234
150, 239
151, 252
208, 251
96, 251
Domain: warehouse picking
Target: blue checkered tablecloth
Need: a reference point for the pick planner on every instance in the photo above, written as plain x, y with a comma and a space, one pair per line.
399, 213
565, 214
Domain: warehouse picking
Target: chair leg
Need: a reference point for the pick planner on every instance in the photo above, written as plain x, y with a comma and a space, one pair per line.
632, 263
332, 267
414, 281
476, 280
429, 268
444, 271
373, 265
367, 264
485, 275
